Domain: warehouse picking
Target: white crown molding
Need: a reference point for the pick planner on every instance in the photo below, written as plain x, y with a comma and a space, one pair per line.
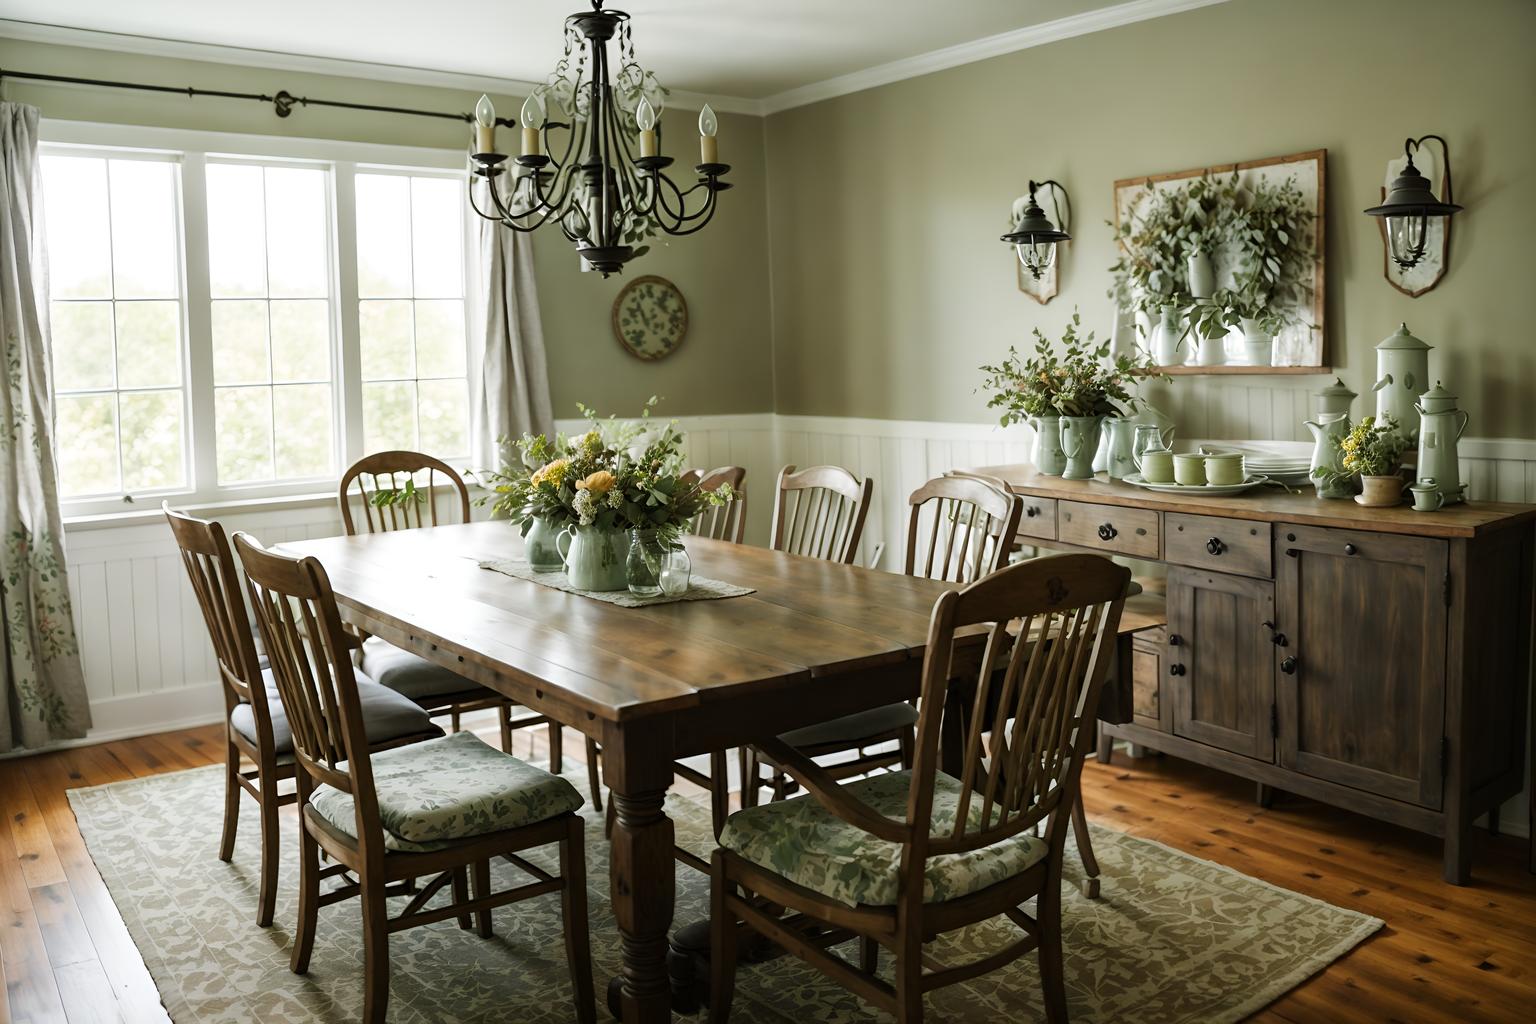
980, 49
176, 49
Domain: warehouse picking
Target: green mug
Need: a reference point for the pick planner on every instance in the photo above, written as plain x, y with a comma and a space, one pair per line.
1156, 466
1225, 469
1189, 469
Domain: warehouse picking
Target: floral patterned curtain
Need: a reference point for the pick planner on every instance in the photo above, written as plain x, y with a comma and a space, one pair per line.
42, 691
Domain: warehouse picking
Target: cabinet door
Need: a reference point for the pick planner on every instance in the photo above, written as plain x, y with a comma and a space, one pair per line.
1363, 702
1220, 666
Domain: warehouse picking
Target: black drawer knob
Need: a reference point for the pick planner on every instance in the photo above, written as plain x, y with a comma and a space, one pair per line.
1215, 546
1288, 666
1032, 511
1175, 640
1107, 531
1350, 549
1175, 670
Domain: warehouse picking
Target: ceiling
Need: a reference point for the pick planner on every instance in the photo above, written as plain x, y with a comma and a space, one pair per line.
748, 49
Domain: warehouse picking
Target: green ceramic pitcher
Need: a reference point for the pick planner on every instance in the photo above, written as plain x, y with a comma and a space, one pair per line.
594, 557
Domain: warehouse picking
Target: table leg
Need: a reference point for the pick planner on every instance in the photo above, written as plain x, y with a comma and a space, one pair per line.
641, 878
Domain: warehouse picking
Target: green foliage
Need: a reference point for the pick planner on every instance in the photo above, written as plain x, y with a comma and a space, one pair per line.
406, 494
1084, 381
1371, 448
1264, 228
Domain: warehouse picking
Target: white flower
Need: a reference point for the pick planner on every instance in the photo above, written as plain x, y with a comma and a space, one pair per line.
586, 510
643, 440
615, 498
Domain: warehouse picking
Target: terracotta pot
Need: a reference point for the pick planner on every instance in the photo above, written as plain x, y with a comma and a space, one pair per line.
1380, 491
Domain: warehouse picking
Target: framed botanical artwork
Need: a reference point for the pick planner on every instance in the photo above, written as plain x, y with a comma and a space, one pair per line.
1245, 239
650, 318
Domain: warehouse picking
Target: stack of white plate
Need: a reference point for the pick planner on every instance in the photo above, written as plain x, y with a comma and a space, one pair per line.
1286, 462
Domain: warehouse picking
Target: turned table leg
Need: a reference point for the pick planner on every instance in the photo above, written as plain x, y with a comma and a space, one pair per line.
641, 878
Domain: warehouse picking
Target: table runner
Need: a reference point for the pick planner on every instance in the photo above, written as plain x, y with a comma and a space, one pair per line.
700, 588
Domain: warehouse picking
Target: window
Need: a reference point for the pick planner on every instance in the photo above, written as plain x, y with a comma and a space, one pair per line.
269, 278
410, 283
243, 324
114, 240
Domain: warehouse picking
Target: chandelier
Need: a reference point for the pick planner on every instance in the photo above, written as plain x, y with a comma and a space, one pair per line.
608, 190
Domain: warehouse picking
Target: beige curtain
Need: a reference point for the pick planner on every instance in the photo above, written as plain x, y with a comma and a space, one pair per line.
513, 394
42, 692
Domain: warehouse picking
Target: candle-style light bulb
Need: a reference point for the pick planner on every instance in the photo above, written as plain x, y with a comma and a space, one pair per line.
533, 117
709, 152
485, 126
645, 120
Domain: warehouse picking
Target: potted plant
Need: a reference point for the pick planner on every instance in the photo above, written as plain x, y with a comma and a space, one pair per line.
1024, 388
1079, 389
1373, 451
1210, 321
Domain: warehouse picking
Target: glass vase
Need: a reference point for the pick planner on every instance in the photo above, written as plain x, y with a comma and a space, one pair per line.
676, 571
643, 568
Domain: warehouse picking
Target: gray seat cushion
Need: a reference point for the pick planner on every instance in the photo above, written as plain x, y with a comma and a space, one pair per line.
413, 676
386, 716
851, 728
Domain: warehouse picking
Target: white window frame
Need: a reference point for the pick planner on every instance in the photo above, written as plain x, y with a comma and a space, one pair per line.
344, 160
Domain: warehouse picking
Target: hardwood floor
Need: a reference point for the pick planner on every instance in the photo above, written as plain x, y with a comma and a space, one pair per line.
1446, 954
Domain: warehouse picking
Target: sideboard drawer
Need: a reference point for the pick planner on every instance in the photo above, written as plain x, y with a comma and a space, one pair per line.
1039, 518
1212, 542
1125, 531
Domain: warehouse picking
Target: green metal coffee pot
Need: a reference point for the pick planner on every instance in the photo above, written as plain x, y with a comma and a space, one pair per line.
1441, 425
1402, 367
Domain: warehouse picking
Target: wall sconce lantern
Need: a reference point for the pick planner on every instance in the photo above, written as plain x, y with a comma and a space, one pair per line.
1035, 237
1410, 204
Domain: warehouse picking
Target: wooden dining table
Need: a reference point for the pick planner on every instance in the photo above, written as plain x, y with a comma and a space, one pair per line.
814, 641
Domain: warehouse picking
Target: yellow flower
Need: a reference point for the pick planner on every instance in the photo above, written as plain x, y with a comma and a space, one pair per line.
600, 482
554, 473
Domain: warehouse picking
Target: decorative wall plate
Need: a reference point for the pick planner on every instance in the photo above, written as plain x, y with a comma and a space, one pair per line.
650, 318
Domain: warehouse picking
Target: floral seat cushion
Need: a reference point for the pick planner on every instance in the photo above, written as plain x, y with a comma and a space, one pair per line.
453, 788
803, 842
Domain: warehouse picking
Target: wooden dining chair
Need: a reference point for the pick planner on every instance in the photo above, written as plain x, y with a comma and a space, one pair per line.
440, 809
959, 529
819, 512
727, 521
401, 490
255, 725
901, 858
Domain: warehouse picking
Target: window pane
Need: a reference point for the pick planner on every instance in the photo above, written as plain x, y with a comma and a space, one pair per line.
148, 344
88, 454
384, 331
152, 440
144, 229
440, 338
301, 340
244, 434
79, 242
383, 236
237, 253
297, 253
436, 221
82, 345
240, 341
389, 416
302, 413
444, 413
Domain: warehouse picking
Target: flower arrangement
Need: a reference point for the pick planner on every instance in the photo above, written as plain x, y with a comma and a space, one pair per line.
615, 476
1371, 448
1083, 381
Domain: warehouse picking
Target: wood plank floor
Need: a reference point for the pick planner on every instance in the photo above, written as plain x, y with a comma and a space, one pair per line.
1447, 953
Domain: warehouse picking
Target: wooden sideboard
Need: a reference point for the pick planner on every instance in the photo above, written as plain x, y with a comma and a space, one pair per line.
1375, 659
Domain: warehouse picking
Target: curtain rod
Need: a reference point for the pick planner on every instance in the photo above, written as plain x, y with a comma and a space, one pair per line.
282, 103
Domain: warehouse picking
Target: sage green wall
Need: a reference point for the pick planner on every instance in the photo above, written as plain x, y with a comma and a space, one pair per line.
889, 284
724, 364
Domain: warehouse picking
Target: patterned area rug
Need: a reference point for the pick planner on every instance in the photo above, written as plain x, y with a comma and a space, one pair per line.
1171, 939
